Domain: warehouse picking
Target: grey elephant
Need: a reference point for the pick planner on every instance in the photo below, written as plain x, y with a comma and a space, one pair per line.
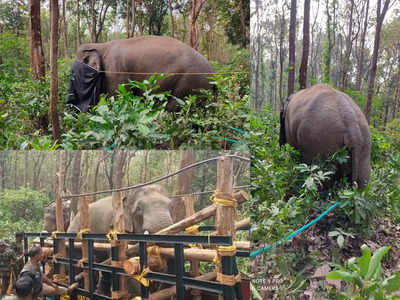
136, 59
50, 224
146, 209
320, 120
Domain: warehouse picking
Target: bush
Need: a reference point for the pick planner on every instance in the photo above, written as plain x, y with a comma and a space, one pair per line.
21, 210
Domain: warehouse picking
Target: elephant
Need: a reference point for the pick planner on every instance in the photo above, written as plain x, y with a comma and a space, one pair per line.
146, 209
320, 120
50, 224
137, 59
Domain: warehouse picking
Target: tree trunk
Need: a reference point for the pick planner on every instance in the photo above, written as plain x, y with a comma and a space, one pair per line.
133, 18
371, 79
65, 30
54, 16
93, 23
362, 46
306, 46
37, 53
281, 53
243, 24
183, 184
171, 16
196, 8
292, 47
76, 179
127, 19
78, 24
349, 44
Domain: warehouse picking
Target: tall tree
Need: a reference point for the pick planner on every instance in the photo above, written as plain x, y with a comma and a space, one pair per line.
243, 24
292, 47
54, 18
78, 24
360, 57
37, 53
127, 19
65, 28
327, 52
282, 52
196, 8
380, 16
306, 46
349, 44
171, 17
76, 180
133, 18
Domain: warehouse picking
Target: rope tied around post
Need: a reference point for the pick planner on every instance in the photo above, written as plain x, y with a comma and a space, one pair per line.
54, 234
192, 229
155, 251
80, 262
141, 277
224, 199
224, 251
112, 235
79, 235
230, 280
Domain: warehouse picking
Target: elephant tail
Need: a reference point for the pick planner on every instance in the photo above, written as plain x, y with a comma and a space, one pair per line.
282, 116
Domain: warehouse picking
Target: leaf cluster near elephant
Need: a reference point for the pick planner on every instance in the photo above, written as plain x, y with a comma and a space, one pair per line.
100, 68
320, 120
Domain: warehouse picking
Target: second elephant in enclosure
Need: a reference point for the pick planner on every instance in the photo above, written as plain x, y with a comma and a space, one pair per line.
137, 59
320, 120
145, 209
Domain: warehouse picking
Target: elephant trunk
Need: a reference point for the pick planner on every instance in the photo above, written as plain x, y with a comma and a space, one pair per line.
156, 220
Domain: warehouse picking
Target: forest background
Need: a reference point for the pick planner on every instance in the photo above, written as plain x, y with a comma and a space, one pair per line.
34, 105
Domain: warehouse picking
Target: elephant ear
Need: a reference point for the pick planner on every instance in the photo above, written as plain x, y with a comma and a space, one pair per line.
92, 57
282, 131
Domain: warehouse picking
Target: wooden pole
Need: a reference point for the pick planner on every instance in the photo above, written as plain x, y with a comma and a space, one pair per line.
62, 251
84, 220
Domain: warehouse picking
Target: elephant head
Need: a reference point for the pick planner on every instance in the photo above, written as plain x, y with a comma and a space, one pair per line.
90, 54
147, 209
50, 224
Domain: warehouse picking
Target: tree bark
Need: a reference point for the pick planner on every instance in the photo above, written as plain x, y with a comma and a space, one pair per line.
243, 24
93, 22
54, 16
196, 8
292, 47
78, 24
171, 17
361, 50
349, 45
306, 46
380, 15
281, 53
76, 176
133, 18
37, 53
183, 184
127, 19
65, 30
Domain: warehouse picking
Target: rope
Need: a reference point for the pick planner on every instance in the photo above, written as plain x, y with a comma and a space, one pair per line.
141, 277
81, 232
176, 73
155, 251
192, 229
230, 280
160, 178
54, 234
58, 278
224, 199
112, 235
267, 248
80, 263
207, 192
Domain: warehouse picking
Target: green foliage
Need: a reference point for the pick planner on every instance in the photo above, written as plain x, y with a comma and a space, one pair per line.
21, 210
130, 121
14, 51
364, 277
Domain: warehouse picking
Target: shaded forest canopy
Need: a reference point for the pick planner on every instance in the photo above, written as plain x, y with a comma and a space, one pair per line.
341, 50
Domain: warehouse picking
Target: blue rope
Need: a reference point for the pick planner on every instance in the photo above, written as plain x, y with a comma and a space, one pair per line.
259, 251
224, 139
238, 130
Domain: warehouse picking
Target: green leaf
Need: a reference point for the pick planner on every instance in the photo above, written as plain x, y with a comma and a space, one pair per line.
376, 261
341, 275
392, 283
340, 241
364, 259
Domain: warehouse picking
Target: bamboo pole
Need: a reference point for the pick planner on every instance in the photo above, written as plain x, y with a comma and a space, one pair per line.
84, 220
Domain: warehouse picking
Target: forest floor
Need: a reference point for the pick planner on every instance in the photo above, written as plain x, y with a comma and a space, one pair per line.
314, 250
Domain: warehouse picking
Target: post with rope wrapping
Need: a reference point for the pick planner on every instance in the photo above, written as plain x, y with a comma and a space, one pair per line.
85, 226
225, 224
59, 193
118, 248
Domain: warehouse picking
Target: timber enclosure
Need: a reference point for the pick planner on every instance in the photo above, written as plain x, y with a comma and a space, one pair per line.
218, 246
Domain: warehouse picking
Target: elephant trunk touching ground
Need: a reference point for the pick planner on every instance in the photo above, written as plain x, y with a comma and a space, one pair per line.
320, 120
100, 68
